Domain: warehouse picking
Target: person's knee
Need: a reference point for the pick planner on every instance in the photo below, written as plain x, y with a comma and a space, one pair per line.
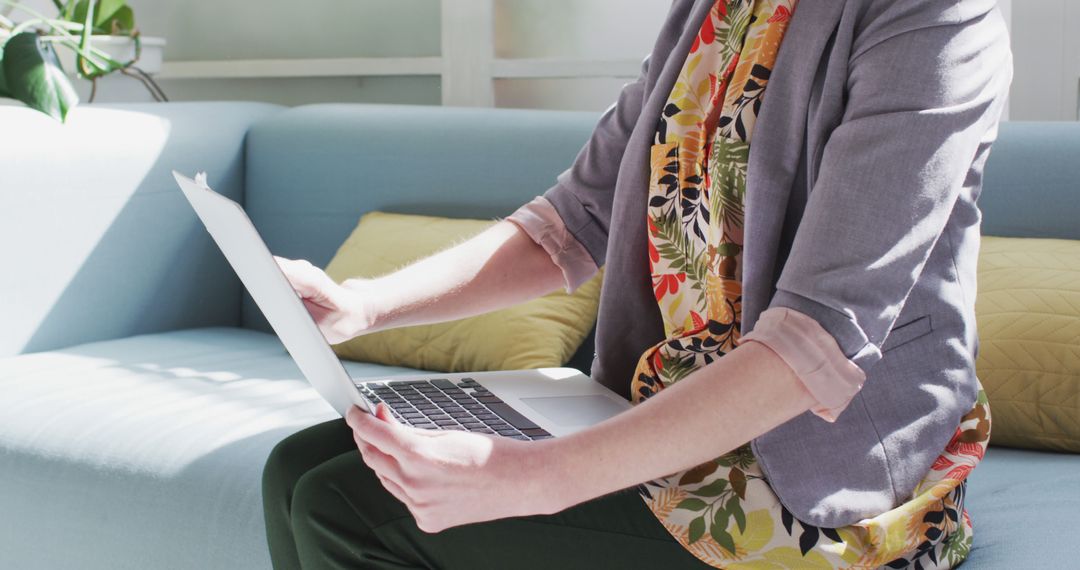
335, 509
343, 489
283, 469
323, 520
297, 454
311, 494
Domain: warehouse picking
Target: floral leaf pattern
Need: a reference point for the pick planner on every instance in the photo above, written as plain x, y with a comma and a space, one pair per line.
697, 187
725, 514
723, 511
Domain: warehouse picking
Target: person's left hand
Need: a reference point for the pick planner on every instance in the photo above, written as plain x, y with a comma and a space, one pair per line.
451, 478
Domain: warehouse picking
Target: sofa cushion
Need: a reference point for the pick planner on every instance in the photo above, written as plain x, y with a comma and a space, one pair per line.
147, 452
1024, 506
540, 333
1028, 309
1029, 189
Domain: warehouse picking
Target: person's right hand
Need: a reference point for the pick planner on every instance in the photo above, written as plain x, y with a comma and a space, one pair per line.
339, 311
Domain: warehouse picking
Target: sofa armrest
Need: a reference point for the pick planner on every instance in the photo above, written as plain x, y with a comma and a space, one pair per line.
97, 240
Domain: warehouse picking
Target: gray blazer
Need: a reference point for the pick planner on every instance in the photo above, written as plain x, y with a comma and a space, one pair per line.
864, 171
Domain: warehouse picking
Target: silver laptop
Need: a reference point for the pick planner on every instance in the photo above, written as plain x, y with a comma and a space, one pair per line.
522, 404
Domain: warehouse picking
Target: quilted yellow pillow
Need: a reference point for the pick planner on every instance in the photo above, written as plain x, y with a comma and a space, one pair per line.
1028, 312
541, 333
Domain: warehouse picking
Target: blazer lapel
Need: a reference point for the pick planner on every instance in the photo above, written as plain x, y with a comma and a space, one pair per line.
778, 146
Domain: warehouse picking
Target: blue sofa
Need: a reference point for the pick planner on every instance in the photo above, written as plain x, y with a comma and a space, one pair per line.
141, 390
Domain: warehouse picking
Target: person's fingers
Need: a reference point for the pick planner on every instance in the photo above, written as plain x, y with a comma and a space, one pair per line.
396, 490
318, 312
309, 281
385, 435
382, 464
382, 411
297, 274
350, 415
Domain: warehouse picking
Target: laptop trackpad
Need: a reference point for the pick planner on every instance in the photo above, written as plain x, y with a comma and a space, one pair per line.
574, 410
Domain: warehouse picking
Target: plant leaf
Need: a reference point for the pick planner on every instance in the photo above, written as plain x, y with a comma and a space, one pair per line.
104, 12
68, 10
122, 22
33, 76
712, 489
84, 66
697, 529
4, 91
788, 519
698, 474
692, 505
760, 527
808, 539
735, 507
721, 518
738, 481
832, 534
723, 538
687, 119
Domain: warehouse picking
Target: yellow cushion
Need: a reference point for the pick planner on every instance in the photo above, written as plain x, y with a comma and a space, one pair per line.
1028, 311
541, 333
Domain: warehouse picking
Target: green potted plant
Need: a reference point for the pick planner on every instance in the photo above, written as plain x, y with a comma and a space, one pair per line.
30, 67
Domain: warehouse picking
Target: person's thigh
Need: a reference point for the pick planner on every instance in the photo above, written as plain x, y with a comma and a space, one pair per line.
302, 451
288, 462
343, 518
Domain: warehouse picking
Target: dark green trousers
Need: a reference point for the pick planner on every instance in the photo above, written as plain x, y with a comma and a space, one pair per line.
325, 509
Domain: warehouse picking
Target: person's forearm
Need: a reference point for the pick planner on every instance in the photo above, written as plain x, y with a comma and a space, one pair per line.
711, 412
498, 268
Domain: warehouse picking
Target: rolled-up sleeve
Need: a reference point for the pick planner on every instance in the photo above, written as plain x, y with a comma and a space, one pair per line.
891, 173
814, 357
583, 194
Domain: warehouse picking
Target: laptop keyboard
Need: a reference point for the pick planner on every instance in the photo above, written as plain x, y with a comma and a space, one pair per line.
462, 405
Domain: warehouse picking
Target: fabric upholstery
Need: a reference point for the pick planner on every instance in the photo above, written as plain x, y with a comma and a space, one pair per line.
106, 243
147, 452
314, 170
1024, 506
1032, 181
1028, 311
541, 333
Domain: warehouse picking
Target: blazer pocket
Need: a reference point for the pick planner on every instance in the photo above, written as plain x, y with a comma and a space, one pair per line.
907, 332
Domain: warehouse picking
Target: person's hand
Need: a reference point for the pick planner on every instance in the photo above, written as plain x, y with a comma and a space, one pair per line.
451, 478
340, 311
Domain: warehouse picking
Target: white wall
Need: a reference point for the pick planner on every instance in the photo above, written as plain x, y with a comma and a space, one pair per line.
277, 29
1006, 10
220, 30
1046, 47
577, 28
604, 29
1046, 44
252, 29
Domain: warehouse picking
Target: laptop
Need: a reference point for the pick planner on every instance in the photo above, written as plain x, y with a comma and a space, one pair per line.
521, 404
